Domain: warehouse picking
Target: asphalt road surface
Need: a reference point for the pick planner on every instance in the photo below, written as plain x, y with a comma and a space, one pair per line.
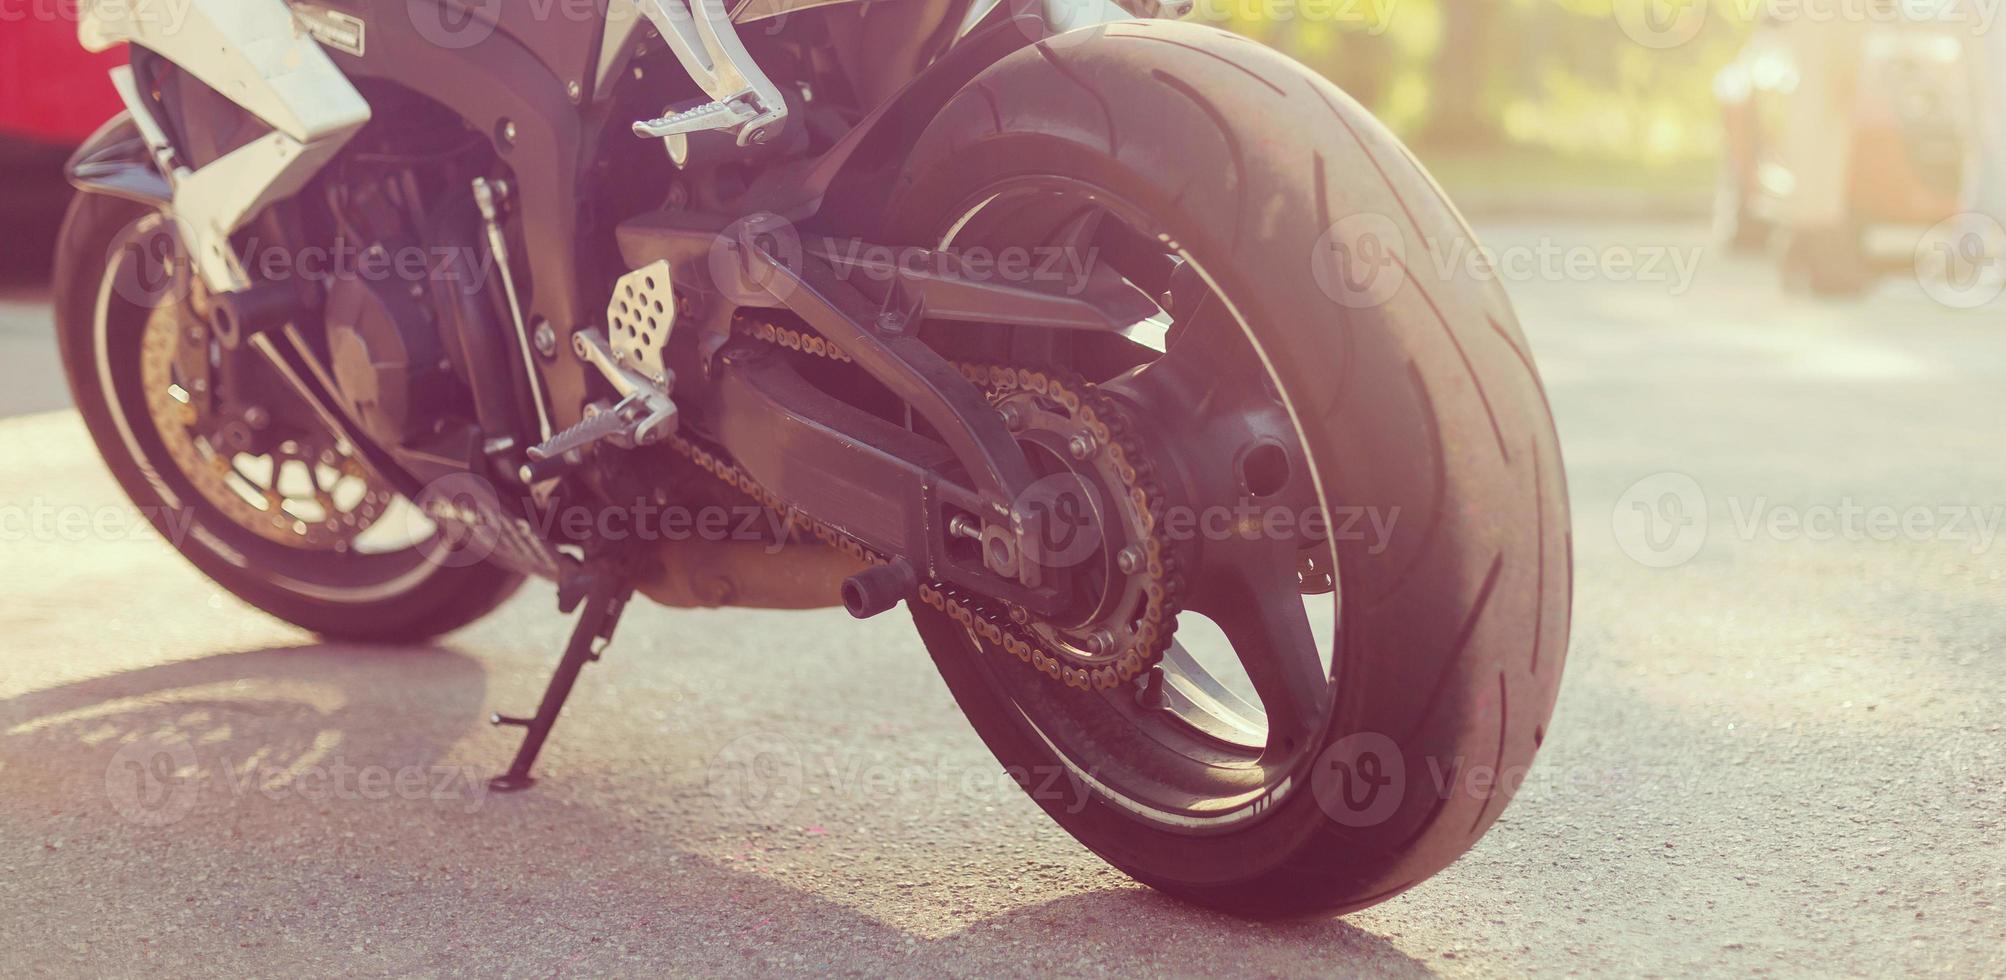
1778, 749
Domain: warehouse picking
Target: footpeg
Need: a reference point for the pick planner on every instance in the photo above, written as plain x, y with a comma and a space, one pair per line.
705, 118
643, 416
619, 424
744, 100
599, 424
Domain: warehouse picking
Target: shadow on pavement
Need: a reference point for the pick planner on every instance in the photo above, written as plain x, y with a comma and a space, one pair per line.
1198, 942
257, 808
300, 713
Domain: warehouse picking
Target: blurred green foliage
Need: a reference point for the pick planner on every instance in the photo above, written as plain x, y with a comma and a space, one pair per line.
1545, 77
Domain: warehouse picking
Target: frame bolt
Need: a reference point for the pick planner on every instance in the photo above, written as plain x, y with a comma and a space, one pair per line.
1129, 560
545, 338
891, 322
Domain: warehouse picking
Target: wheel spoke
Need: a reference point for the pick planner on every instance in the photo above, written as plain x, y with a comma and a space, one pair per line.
1259, 608
1209, 361
1080, 231
1099, 243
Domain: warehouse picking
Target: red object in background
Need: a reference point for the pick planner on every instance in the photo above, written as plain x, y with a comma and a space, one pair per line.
51, 89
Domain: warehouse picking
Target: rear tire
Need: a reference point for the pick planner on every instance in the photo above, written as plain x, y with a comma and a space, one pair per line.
396, 598
1416, 397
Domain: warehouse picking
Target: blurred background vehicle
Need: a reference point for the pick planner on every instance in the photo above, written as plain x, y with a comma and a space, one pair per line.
1899, 143
53, 93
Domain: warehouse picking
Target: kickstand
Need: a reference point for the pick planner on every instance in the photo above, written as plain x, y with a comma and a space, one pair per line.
605, 594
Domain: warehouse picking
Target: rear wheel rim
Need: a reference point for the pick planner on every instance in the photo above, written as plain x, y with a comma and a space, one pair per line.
1194, 752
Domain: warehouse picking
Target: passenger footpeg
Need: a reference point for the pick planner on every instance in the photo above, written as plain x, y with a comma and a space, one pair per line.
743, 100
704, 118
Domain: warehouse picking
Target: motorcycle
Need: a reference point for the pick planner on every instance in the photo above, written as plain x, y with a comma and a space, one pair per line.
1107, 344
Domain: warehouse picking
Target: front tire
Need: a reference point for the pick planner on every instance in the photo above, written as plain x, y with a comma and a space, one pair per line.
1412, 395
400, 596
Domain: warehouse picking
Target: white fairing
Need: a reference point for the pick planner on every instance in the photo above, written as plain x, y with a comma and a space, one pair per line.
259, 56
1067, 15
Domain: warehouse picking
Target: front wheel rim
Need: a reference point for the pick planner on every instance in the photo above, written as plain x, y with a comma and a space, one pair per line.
126, 299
